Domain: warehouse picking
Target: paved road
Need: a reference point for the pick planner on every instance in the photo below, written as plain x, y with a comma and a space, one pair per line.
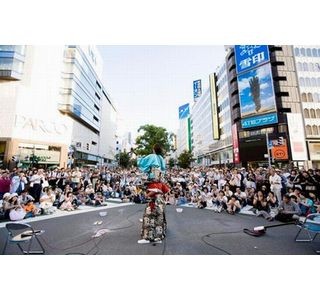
193, 231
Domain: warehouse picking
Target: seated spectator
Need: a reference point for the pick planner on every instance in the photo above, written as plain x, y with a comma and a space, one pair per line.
90, 191
220, 202
67, 203
288, 209
30, 208
46, 201
13, 208
272, 200
227, 191
207, 196
261, 204
127, 195
107, 190
306, 205
25, 196
98, 199
201, 202
233, 205
241, 196
181, 199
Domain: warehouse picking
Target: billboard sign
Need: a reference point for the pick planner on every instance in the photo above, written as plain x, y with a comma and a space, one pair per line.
297, 137
250, 56
184, 111
214, 107
197, 90
257, 98
235, 144
279, 149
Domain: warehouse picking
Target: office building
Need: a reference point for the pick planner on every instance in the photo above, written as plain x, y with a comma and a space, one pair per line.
55, 108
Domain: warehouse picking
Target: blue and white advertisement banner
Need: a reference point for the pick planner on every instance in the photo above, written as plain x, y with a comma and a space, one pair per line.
256, 92
250, 56
258, 121
197, 90
184, 111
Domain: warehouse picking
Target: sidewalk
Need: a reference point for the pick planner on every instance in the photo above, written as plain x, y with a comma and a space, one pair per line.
80, 210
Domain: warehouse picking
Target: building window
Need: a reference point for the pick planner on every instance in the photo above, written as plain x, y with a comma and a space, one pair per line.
319, 52
301, 81
98, 84
96, 107
296, 52
311, 67
303, 51
312, 113
310, 99
95, 118
309, 52
304, 97
306, 113
299, 66
308, 130
318, 81
93, 143
314, 52
305, 67
315, 130
318, 113
308, 82
316, 97
313, 82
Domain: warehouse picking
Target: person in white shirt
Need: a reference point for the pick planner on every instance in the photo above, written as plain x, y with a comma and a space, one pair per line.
275, 184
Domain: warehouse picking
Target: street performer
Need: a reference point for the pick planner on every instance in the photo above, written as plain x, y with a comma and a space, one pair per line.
154, 221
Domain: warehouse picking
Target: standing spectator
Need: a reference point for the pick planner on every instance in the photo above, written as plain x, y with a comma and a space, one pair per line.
18, 183
35, 185
5, 182
275, 184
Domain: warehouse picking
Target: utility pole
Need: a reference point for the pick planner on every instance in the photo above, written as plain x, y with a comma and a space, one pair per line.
267, 141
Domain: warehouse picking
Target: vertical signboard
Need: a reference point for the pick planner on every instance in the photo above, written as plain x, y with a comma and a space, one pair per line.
235, 144
256, 92
297, 137
279, 149
184, 111
214, 107
197, 90
250, 56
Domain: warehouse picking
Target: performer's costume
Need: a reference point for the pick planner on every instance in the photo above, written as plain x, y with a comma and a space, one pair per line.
154, 223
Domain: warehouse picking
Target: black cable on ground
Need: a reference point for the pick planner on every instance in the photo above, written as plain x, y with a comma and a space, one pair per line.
91, 239
215, 247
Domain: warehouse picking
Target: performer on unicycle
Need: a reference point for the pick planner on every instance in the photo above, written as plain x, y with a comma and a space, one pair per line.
154, 223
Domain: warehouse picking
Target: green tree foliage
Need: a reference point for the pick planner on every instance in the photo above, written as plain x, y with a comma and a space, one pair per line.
123, 159
171, 163
151, 135
185, 159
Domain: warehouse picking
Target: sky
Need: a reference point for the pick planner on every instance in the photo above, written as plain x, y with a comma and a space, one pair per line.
149, 83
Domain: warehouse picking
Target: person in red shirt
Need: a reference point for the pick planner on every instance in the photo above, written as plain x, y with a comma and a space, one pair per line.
4, 183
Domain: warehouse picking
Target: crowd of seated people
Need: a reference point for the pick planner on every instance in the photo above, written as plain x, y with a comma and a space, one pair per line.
272, 193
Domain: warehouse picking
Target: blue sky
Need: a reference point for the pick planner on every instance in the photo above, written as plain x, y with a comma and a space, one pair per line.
149, 83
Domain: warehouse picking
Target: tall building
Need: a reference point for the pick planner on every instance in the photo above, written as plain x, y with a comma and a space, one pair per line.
201, 128
220, 150
265, 105
307, 59
55, 108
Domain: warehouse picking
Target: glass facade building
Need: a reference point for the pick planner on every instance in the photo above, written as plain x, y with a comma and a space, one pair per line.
12, 59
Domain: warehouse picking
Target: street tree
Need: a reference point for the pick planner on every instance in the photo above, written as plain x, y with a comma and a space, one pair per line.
150, 135
123, 158
185, 159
